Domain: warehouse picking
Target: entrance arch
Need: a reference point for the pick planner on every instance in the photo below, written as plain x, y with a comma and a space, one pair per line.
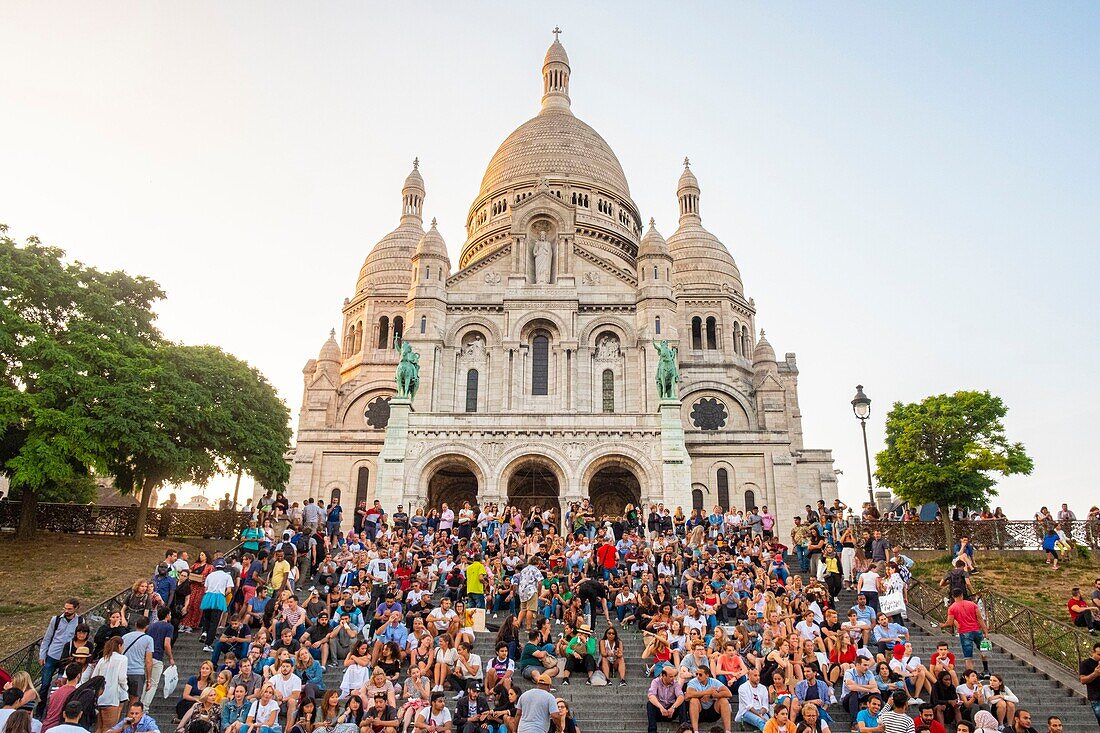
454, 481
534, 482
612, 487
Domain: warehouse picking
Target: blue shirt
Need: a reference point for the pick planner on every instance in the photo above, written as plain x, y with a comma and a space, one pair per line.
864, 616
145, 725
398, 634
867, 678
335, 513
892, 631
159, 631
866, 718
712, 684
136, 644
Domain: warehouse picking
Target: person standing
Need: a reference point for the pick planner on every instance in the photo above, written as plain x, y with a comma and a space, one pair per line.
335, 518
160, 631
138, 648
965, 617
537, 708
896, 719
59, 631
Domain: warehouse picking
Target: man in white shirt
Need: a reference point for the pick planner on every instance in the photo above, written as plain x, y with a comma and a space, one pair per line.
288, 688
752, 702
446, 518
440, 618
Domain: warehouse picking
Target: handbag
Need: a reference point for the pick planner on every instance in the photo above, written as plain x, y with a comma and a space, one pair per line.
892, 604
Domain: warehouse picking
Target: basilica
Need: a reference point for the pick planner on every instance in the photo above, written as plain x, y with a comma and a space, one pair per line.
538, 353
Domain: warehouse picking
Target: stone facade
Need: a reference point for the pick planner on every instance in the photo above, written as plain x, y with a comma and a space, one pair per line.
537, 356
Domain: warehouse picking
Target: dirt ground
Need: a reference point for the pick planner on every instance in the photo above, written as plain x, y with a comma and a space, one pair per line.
1024, 577
37, 576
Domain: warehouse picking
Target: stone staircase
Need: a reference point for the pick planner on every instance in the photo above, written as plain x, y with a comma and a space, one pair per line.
615, 709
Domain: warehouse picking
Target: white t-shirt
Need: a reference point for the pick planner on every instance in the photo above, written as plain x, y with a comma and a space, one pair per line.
36, 725
909, 664
261, 711
808, 631
441, 619
218, 581
472, 665
286, 686
868, 582
432, 718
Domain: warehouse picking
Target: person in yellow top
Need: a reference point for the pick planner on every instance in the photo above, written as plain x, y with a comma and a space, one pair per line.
475, 583
280, 569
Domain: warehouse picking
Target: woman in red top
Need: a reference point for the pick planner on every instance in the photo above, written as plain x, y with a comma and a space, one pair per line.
841, 658
199, 571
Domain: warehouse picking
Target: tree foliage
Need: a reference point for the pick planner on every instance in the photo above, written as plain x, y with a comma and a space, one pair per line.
89, 386
948, 450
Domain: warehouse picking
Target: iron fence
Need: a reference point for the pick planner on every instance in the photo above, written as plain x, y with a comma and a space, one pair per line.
988, 534
1045, 636
121, 520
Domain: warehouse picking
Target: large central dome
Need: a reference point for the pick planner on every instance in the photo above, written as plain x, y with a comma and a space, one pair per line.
573, 159
555, 143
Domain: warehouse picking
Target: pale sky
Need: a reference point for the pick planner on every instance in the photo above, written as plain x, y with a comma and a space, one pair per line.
910, 192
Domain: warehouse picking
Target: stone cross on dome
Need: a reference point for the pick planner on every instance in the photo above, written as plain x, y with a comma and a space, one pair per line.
556, 32
687, 163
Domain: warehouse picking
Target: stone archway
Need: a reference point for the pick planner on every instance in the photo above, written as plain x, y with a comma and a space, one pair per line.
613, 487
453, 482
534, 483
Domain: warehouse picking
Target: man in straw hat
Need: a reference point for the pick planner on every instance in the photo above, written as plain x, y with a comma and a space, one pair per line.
580, 655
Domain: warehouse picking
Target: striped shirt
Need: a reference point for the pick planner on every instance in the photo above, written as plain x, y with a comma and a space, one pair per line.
896, 722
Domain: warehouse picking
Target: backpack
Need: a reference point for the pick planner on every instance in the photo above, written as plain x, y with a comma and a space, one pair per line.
302, 545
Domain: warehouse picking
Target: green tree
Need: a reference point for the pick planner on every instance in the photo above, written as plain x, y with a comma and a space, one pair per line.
192, 412
947, 450
64, 329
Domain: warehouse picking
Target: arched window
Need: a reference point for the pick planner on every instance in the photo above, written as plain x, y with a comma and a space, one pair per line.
427, 272
423, 324
712, 333
655, 272
349, 340
357, 342
608, 391
696, 333
361, 483
750, 499
398, 331
657, 325
383, 332
332, 497
723, 488
540, 365
471, 390
697, 499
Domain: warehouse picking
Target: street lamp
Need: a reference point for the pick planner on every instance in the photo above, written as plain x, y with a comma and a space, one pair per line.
861, 406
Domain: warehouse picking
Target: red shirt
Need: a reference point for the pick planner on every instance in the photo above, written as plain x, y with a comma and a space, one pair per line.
608, 556
965, 614
934, 727
1074, 602
932, 662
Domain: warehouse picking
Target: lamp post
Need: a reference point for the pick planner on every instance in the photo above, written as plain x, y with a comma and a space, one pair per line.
861, 406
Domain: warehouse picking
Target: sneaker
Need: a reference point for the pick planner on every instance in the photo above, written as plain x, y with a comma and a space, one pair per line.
588, 682
437, 688
622, 683
208, 648
495, 615
565, 682
916, 701
457, 697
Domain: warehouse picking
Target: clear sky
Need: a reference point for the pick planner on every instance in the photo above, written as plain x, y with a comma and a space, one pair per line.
909, 191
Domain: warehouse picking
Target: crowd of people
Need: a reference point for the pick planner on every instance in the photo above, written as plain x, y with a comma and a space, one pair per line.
730, 632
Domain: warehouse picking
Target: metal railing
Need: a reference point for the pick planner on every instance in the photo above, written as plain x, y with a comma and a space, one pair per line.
1045, 636
988, 534
121, 520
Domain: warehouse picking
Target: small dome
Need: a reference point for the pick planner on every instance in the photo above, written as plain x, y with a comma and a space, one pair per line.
699, 259
331, 350
556, 54
688, 181
763, 353
432, 243
387, 265
414, 181
653, 244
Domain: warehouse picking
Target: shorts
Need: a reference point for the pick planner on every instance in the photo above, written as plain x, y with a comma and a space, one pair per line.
967, 640
709, 715
135, 685
531, 604
1054, 554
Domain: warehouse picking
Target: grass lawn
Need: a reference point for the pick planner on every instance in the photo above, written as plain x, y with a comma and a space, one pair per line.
1024, 577
37, 576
